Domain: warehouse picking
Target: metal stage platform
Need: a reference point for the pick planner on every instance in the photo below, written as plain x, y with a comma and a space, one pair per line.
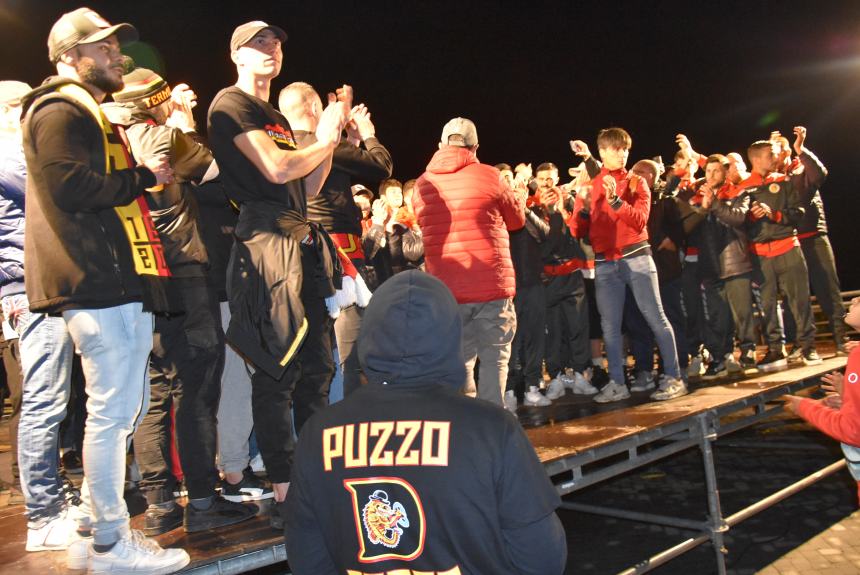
580, 442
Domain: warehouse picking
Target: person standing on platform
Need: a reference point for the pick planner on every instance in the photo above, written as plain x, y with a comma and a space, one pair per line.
94, 257
613, 214
283, 267
465, 212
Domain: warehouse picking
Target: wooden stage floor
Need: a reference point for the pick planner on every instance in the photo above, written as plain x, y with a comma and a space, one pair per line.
571, 425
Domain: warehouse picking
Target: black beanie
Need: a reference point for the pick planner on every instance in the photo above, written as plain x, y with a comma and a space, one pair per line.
144, 88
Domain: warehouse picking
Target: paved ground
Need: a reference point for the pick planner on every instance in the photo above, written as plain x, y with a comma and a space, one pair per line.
814, 532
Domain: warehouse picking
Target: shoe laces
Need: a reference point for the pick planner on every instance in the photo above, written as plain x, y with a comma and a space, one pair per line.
140, 541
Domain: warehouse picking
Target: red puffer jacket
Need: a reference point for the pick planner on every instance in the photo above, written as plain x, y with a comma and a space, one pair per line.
465, 213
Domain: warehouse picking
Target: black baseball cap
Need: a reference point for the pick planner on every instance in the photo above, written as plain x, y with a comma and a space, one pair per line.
243, 34
84, 26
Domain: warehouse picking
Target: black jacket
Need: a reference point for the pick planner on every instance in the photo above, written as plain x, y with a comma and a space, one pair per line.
334, 207
76, 249
526, 250
664, 221
782, 198
389, 253
723, 248
174, 209
406, 472
808, 175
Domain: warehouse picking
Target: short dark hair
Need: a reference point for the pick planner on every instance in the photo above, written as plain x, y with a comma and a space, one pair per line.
409, 184
502, 167
389, 183
718, 159
757, 147
614, 138
546, 166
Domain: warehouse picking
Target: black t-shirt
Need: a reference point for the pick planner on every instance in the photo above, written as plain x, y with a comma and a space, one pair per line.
234, 112
412, 477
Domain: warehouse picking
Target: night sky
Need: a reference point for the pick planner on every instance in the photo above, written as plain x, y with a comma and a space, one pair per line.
531, 75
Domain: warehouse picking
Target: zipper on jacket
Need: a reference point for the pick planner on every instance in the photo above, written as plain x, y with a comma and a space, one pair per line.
116, 269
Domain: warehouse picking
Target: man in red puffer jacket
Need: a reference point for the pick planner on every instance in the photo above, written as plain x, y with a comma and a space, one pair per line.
465, 211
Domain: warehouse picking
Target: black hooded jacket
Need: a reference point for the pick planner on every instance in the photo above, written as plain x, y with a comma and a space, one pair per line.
76, 249
408, 473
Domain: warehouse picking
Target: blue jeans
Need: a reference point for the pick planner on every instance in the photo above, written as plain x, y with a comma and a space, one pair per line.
46, 362
640, 274
114, 344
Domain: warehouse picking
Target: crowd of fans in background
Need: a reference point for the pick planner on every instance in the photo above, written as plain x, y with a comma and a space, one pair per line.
254, 251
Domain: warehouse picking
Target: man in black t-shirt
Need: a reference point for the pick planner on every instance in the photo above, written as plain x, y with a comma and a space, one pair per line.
407, 473
281, 266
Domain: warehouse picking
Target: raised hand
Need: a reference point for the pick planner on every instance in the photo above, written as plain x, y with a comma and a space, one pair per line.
580, 149
182, 102
800, 139
361, 117
344, 94
379, 212
332, 121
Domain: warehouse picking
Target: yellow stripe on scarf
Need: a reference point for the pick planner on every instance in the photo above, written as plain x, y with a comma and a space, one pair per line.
146, 248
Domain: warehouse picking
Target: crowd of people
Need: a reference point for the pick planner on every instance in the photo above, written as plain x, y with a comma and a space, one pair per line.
190, 299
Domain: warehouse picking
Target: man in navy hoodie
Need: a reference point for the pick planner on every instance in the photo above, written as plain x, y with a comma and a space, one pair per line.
406, 474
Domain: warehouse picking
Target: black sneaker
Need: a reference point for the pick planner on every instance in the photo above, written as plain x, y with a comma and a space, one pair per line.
72, 463
747, 361
773, 361
811, 357
251, 488
219, 514
715, 369
599, 376
161, 520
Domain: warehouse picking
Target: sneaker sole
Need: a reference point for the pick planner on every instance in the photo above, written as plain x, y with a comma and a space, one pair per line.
818, 361
36, 548
586, 391
637, 389
529, 404
610, 400
672, 396
215, 524
775, 366
717, 375
245, 497
165, 570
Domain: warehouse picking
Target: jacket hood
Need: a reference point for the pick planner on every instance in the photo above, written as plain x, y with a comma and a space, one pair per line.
411, 333
126, 114
49, 85
450, 159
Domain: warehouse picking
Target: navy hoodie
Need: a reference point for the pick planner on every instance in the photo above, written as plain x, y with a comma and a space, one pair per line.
408, 473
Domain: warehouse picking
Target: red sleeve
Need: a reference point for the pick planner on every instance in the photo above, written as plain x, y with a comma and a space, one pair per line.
513, 208
635, 214
842, 424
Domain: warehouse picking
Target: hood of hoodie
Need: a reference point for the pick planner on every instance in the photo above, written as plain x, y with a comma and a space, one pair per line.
49, 85
450, 159
126, 114
411, 333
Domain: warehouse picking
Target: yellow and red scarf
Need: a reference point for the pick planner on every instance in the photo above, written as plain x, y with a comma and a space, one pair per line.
146, 248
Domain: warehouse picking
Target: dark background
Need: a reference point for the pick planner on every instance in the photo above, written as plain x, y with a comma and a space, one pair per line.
531, 75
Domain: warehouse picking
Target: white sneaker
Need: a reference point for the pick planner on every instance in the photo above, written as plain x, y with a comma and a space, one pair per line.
567, 377
582, 386
555, 389
257, 465
732, 364
135, 554
535, 398
696, 367
78, 552
644, 381
670, 388
510, 401
55, 535
612, 392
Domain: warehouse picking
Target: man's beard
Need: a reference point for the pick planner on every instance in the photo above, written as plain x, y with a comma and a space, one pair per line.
91, 74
